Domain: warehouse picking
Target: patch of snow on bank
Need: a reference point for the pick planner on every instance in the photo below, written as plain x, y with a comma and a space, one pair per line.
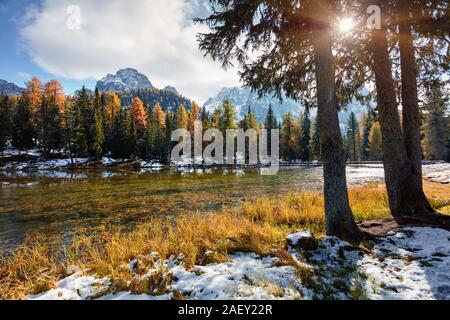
438, 173
410, 264
75, 287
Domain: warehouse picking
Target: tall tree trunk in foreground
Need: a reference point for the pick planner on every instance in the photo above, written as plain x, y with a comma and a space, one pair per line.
405, 193
337, 208
410, 99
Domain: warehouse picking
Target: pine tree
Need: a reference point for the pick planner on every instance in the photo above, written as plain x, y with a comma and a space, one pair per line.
353, 138
205, 118
121, 148
305, 137
270, 124
168, 136
315, 140
79, 145
159, 123
5, 122
435, 127
375, 143
98, 139
227, 119
181, 118
288, 139
51, 132
23, 131
250, 121
367, 121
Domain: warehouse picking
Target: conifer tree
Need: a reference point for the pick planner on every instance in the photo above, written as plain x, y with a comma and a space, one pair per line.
435, 127
121, 148
305, 137
181, 118
375, 143
353, 138
5, 122
23, 131
270, 124
315, 140
288, 139
51, 132
79, 145
139, 116
367, 121
98, 139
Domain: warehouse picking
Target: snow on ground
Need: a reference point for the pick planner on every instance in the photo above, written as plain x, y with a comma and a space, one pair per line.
412, 263
438, 172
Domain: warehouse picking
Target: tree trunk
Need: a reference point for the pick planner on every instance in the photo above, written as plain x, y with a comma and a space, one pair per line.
405, 193
410, 100
339, 216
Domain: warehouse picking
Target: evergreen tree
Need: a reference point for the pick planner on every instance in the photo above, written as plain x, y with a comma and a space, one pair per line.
305, 137
79, 144
315, 140
288, 139
250, 121
353, 138
51, 132
168, 136
227, 119
181, 118
98, 139
436, 127
375, 143
5, 122
23, 131
270, 124
121, 146
367, 121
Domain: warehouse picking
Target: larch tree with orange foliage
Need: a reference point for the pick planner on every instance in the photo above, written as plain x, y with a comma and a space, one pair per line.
33, 94
139, 116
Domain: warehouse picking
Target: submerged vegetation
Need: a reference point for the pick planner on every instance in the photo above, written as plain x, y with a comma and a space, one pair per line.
258, 226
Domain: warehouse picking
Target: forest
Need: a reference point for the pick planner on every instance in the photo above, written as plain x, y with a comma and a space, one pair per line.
124, 127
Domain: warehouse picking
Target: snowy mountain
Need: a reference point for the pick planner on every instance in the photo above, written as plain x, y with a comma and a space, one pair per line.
243, 97
9, 89
170, 88
124, 79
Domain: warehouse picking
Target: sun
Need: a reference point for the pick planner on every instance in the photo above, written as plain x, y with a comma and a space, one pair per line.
346, 24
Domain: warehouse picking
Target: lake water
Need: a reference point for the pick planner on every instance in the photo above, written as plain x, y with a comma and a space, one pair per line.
59, 203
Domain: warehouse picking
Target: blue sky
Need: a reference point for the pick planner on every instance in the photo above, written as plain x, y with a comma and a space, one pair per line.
16, 65
156, 37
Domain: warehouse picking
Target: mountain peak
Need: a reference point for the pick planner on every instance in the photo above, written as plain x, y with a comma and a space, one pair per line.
124, 79
9, 89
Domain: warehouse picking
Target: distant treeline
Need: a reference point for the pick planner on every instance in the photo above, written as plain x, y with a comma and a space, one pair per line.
139, 124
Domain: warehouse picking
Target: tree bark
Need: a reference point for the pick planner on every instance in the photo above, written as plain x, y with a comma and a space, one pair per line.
410, 99
339, 216
406, 196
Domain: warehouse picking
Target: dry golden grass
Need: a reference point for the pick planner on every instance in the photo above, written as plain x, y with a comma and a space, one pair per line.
259, 226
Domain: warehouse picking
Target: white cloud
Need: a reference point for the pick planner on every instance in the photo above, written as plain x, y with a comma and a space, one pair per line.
156, 37
24, 75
